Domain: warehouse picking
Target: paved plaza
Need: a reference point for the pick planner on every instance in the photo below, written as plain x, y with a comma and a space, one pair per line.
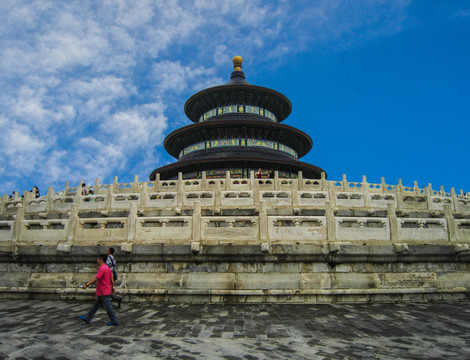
35, 329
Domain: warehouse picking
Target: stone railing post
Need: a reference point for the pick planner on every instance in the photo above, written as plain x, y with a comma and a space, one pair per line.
218, 194
332, 193
454, 199
442, 192
115, 185
294, 193
276, 180
67, 189
109, 198
256, 192
143, 196
131, 222
27, 196
78, 194
428, 196
399, 192
393, 222
156, 183
324, 182
97, 187
72, 224
263, 221
228, 181
383, 185
365, 191
345, 183
179, 190
252, 180
300, 177
16, 234
451, 227
204, 181
330, 221
135, 184
3, 204
49, 198
197, 218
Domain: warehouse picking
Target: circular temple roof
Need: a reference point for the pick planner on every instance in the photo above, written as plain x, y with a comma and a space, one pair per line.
236, 128
171, 171
229, 125
237, 91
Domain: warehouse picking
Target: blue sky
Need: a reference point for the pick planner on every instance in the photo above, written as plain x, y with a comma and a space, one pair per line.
91, 88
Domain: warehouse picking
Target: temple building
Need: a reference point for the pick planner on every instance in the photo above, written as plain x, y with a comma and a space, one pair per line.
206, 229
237, 128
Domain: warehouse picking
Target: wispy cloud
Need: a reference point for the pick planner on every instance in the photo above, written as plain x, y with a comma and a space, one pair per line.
89, 88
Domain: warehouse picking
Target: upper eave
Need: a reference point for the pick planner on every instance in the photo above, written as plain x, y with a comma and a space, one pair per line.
230, 94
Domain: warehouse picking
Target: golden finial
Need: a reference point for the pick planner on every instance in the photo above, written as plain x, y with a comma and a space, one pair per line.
237, 63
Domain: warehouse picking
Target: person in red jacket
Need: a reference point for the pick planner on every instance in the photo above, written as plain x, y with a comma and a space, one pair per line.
104, 288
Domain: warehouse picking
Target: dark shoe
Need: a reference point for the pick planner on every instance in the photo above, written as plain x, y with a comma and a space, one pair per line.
119, 302
112, 323
84, 319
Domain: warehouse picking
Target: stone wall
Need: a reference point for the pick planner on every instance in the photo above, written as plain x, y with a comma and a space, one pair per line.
241, 240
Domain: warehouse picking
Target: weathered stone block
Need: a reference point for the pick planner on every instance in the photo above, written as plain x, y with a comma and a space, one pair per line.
343, 268
315, 267
78, 279
18, 279
362, 229
407, 280
268, 281
164, 229
278, 267
290, 248
64, 247
316, 281
154, 281
354, 281
206, 267
44, 280
423, 229
210, 281
148, 267
456, 279
298, 228
126, 247
238, 267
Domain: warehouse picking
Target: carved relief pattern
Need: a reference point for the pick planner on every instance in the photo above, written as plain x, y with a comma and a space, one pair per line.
238, 142
238, 108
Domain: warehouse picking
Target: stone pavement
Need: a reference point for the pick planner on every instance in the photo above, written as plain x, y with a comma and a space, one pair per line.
35, 329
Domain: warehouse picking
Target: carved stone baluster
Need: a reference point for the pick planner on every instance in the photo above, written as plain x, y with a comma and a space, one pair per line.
180, 190
72, 224
263, 221
330, 221
393, 222
451, 226
132, 222
197, 218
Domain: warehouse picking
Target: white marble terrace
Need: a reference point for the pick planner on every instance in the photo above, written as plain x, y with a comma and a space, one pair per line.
245, 211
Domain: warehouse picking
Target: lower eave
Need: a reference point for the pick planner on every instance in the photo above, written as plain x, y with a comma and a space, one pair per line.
170, 171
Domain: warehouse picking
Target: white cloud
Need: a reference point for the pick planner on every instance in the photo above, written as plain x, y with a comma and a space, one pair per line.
87, 86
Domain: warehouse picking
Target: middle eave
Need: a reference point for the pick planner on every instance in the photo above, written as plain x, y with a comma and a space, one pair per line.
225, 129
